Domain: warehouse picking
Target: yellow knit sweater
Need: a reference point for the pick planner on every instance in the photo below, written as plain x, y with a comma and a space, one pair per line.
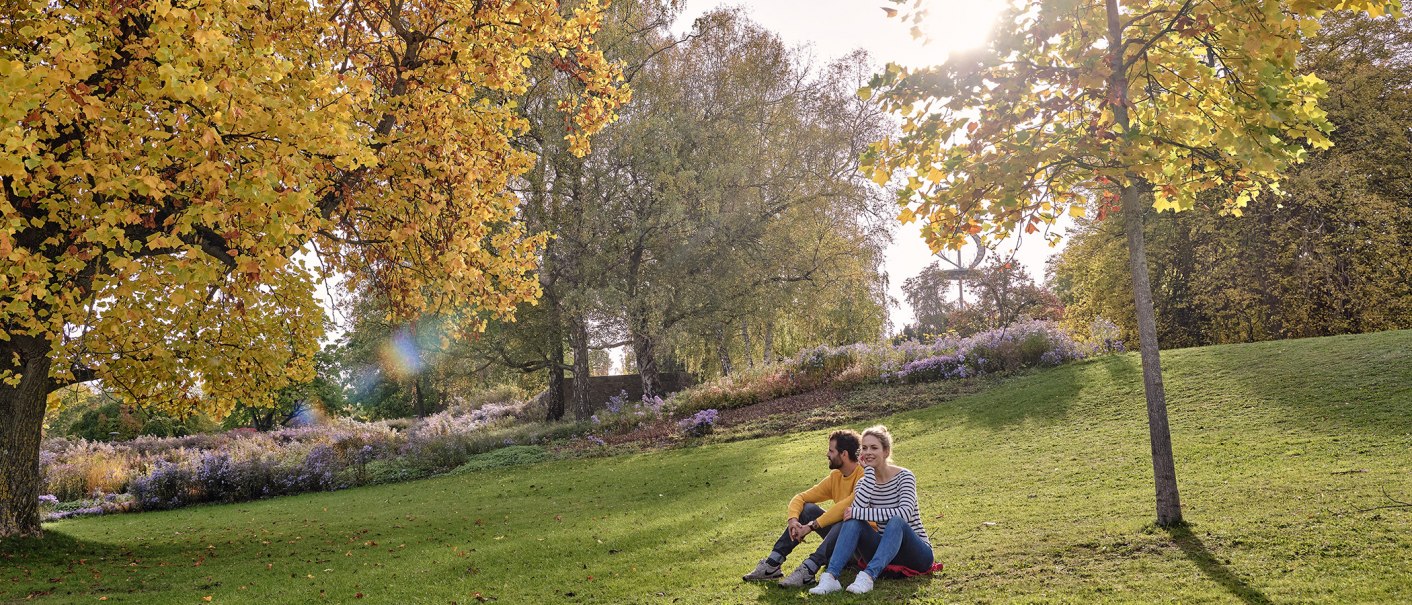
835, 487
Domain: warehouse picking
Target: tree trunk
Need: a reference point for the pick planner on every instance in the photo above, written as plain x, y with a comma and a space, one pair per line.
644, 350
578, 339
643, 346
768, 356
1135, 194
723, 350
745, 343
424, 394
1164, 469
21, 429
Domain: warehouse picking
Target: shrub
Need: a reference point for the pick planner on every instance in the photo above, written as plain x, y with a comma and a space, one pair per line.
699, 424
621, 415
167, 486
90, 468
507, 456
87, 477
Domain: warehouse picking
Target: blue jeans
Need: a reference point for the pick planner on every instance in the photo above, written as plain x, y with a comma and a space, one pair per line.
897, 544
785, 544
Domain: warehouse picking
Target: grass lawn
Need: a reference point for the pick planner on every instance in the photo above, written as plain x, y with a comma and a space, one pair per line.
1035, 490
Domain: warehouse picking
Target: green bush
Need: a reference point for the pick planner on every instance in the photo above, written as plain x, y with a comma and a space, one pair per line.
506, 456
395, 470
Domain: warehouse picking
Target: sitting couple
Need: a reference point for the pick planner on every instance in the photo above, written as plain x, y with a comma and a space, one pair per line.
874, 515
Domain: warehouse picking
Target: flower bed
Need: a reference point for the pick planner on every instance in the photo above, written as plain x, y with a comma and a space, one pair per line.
1023, 345
151, 473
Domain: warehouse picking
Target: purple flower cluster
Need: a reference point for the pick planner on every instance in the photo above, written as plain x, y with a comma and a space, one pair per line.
1026, 344
1106, 336
100, 505
940, 367
621, 415
699, 424
615, 403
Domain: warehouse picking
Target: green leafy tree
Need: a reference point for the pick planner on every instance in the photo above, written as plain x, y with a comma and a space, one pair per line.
738, 200
1144, 104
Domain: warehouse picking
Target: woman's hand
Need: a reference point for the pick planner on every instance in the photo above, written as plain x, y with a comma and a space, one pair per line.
847, 513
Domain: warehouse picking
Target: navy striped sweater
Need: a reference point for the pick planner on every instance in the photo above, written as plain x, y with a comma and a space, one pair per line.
896, 498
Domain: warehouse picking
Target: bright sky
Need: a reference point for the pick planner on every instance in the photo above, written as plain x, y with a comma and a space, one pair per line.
833, 28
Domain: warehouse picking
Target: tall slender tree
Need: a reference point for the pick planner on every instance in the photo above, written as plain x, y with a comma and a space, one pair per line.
1144, 103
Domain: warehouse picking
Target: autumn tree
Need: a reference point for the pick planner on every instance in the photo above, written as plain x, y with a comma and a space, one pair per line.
1328, 257
163, 161
1144, 104
1002, 294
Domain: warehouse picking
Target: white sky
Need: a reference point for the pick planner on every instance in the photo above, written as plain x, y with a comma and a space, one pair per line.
832, 28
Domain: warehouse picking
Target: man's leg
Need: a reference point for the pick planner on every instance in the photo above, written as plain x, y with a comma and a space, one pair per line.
806, 571
786, 544
769, 567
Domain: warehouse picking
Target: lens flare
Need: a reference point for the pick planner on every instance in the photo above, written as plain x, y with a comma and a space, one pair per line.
310, 414
400, 356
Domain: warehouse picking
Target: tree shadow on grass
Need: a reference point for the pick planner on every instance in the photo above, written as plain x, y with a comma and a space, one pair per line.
61, 566
1329, 385
1045, 396
886, 590
1214, 569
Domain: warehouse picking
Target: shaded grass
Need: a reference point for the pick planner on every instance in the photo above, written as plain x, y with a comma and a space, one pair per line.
1036, 490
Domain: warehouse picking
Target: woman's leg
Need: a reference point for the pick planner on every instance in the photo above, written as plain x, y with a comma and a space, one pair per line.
900, 545
848, 533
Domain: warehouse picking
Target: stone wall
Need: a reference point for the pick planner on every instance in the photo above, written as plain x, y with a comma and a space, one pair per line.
600, 388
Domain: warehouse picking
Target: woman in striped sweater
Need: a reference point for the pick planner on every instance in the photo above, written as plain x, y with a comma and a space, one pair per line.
886, 495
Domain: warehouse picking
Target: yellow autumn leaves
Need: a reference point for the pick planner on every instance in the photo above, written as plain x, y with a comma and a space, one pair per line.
1021, 136
163, 162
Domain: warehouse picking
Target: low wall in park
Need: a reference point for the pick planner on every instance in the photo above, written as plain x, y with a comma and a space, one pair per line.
600, 388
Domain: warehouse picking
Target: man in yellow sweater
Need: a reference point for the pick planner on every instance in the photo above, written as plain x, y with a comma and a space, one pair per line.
806, 516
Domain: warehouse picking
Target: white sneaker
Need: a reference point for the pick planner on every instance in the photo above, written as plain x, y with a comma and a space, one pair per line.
863, 583
827, 584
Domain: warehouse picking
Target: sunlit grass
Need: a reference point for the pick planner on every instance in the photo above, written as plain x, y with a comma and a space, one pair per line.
1037, 489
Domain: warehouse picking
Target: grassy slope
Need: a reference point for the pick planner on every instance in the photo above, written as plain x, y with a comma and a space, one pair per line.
1036, 490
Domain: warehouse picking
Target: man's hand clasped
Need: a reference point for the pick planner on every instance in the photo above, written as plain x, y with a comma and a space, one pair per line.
798, 530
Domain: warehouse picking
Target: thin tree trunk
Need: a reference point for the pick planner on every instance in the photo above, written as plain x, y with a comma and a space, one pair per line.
768, 355
578, 339
21, 429
644, 347
1135, 202
1169, 505
425, 401
723, 350
745, 342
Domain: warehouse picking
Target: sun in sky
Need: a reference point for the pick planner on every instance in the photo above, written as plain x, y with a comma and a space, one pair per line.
955, 25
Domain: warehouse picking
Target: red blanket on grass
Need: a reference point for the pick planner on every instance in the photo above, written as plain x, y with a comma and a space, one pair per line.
902, 571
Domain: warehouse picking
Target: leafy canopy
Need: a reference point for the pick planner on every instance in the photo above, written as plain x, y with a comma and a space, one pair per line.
1012, 135
162, 162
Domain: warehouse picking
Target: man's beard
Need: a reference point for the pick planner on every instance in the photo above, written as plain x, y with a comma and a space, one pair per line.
835, 463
